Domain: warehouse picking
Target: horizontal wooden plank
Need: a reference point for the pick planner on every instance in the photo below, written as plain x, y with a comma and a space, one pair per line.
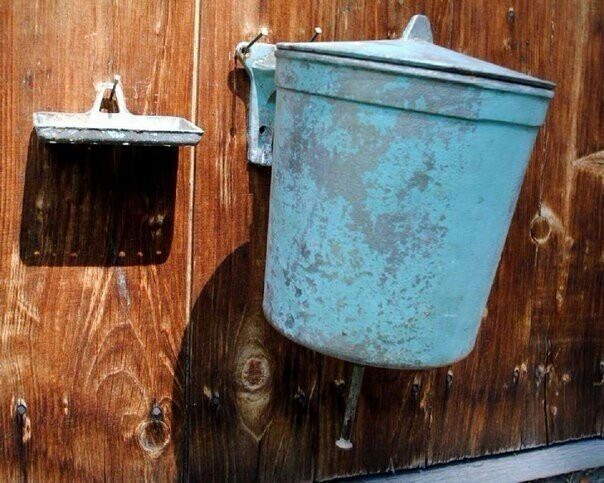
523, 466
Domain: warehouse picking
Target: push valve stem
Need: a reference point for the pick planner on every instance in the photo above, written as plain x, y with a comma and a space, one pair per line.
351, 407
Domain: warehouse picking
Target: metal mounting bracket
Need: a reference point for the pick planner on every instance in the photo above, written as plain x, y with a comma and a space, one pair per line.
259, 63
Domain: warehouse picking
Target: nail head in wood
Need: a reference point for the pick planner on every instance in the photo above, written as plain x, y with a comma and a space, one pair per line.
157, 412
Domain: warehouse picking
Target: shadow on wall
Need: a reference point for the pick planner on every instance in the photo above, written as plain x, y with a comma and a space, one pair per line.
96, 205
249, 391
206, 357
246, 388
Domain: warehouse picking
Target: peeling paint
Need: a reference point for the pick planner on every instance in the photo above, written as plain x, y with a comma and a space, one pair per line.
392, 193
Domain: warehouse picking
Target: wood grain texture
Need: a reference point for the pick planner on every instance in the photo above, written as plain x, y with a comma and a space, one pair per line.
95, 322
495, 402
393, 420
92, 246
575, 373
569, 261
251, 393
557, 463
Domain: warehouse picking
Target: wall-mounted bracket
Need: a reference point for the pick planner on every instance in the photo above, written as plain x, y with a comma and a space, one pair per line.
259, 63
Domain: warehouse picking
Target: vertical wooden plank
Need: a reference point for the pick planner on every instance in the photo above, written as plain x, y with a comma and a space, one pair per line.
236, 428
394, 412
509, 401
570, 264
14, 449
92, 246
251, 392
491, 401
495, 399
575, 384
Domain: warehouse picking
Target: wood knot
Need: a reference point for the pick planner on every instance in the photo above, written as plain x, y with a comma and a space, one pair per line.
540, 229
255, 373
153, 436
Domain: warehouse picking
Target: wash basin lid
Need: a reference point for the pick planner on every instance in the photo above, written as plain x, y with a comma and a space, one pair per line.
415, 49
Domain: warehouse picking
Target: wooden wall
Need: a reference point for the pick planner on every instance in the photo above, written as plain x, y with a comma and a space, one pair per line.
131, 278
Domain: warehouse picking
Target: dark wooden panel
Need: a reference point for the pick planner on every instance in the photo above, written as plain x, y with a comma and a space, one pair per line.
570, 313
224, 233
394, 412
512, 399
575, 371
93, 246
251, 393
494, 403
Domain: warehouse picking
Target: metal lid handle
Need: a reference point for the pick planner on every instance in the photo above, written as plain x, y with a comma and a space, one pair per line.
418, 28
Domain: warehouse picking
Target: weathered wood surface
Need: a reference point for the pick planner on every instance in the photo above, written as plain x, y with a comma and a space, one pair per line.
90, 329
530, 465
133, 277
